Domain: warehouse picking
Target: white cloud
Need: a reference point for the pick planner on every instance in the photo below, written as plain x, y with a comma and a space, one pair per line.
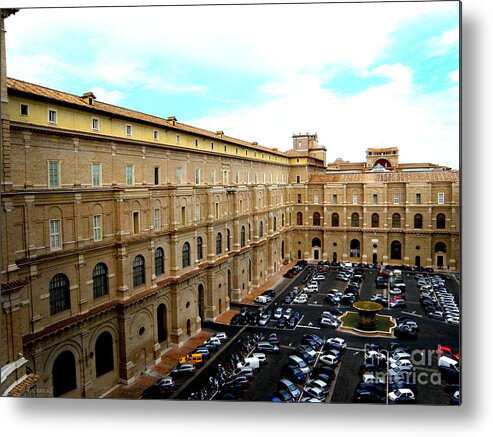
454, 76
446, 41
106, 96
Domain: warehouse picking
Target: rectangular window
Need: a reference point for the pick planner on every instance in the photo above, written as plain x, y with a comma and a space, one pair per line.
24, 109
129, 130
298, 179
441, 198
197, 176
130, 174
315, 198
156, 175
95, 124
52, 116
299, 198
96, 227
213, 176
248, 177
225, 177
217, 210
225, 149
197, 212
157, 219
396, 198
53, 174
237, 177
96, 174
178, 176
418, 198
212, 146
183, 216
375, 199
55, 240
136, 221
178, 139
155, 135
355, 199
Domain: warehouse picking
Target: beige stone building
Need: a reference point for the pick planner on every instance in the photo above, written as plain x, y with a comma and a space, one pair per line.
122, 231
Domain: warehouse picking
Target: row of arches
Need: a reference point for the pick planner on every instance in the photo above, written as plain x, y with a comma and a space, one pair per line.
375, 220
64, 370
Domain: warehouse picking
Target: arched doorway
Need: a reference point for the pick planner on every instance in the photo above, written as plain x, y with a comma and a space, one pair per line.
395, 250
189, 328
162, 323
354, 249
334, 257
104, 354
201, 301
299, 254
229, 284
417, 261
440, 254
316, 247
374, 258
64, 374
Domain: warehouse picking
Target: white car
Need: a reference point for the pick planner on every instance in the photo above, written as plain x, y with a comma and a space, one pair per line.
260, 357
322, 385
370, 378
331, 323
403, 364
264, 320
375, 355
300, 299
329, 359
401, 394
315, 392
261, 299
396, 356
278, 313
337, 340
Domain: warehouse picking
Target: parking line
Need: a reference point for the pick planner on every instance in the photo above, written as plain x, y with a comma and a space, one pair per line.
411, 314
310, 327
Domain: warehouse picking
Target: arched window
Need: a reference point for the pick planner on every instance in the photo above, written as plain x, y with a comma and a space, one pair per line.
354, 219
242, 236
139, 270
299, 218
354, 249
418, 221
159, 261
261, 229
395, 250
441, 221
335, 220
316, 219
104, 354
375, 221
219, 243
275, 224
59, 294
316, 242
282, 220
228, 239
396, 220
185, 254
440, 247
100, 280
64, 374
249, 231
200, 244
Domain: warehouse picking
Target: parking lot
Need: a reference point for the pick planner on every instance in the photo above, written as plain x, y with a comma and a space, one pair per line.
429, 385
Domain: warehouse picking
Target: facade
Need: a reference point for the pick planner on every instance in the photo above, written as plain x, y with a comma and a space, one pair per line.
122, 231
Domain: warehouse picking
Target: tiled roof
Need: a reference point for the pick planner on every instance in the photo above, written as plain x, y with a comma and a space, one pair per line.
425, 176
22, 387
13, 285
72, 99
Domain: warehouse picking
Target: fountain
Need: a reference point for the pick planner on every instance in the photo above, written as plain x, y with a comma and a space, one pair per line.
367, 321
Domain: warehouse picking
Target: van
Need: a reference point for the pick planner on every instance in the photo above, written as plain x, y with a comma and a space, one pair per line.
252, 363
294, 360
195, 359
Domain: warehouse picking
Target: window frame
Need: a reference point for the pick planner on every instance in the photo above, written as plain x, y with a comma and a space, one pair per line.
55, 234
128, 130
24, 105
441, 198
100, 282
99, 166
58, 173
53, 112
159, 261
97, 227
138, 272
157, 219
130, 167
95, 124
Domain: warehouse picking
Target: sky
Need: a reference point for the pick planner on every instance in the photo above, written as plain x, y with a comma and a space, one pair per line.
359, 75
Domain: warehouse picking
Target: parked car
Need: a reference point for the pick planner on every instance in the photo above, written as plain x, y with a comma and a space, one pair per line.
405, 333
286, 384
329, 322
294, 373
261, 299
264, 346
314, 337
367, 397
336, 341
183, 368
315, 392
329, 359
402, 394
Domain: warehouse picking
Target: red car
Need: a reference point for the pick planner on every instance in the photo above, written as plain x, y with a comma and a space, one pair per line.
445, 350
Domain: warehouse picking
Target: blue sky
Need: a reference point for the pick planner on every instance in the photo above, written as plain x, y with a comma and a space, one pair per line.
360, 75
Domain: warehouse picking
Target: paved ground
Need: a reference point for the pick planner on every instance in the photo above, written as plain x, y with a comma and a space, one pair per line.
431, 334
